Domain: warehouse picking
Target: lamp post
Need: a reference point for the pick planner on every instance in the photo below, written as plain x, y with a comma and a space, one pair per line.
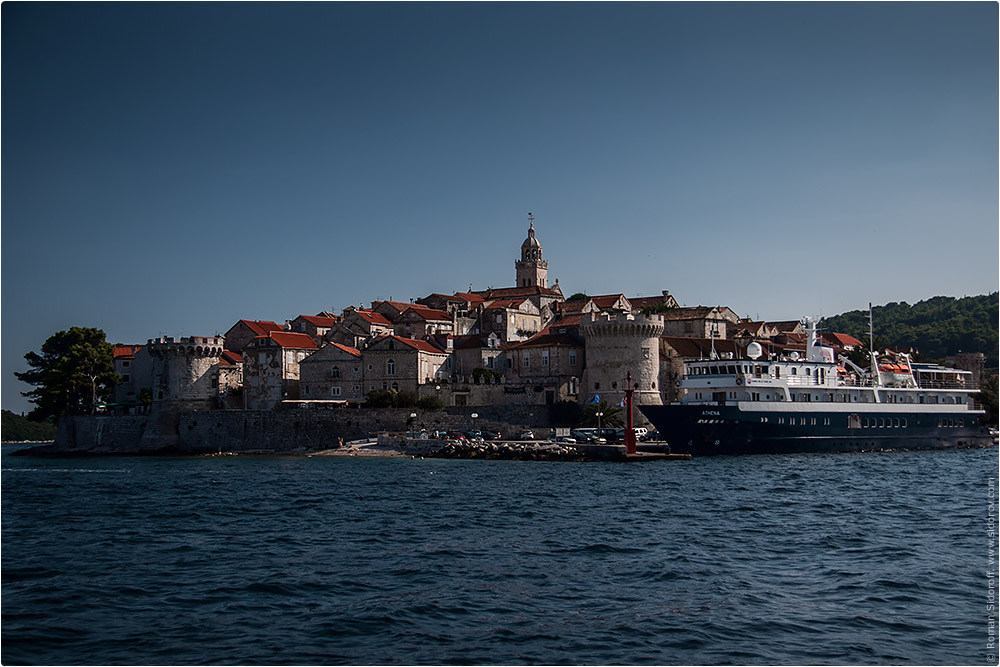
474, 415
599, 415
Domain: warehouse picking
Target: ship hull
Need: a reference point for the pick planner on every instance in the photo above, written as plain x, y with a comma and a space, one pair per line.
708, 430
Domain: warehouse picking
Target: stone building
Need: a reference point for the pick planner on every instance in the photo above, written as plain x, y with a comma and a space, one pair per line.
231, 379
335, 372
619, 345
245, 331
548, 367
315, 326
700, 322
135, 368
271, 368
185, 370
477, 351
357, 326
421, 322
659, 303
403, 364
511, 319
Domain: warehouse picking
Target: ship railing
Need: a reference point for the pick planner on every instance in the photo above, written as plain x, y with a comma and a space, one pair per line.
803, 381
947, 384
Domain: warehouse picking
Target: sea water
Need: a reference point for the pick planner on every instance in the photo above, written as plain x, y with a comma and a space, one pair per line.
874, 558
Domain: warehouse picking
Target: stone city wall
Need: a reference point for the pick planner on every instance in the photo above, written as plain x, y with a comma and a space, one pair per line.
276, 430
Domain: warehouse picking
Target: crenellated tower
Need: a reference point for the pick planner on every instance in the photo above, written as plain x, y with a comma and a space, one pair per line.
185, 370
531, 269
619, 345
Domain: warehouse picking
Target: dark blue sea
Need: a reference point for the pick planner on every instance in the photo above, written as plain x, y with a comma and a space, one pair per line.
876, 558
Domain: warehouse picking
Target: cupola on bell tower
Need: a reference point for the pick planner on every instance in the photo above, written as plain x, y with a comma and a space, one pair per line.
532, 270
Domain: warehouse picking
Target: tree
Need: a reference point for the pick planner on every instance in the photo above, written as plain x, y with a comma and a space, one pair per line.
74, 371
987, 398
611, 415
579, 296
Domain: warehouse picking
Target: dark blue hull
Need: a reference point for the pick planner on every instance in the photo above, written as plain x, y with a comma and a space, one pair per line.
708, 430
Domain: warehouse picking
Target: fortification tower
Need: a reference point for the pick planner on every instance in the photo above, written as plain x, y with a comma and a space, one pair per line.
185, 370
531, 269
617, 345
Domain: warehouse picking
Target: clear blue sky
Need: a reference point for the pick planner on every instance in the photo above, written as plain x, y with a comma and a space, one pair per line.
172, 168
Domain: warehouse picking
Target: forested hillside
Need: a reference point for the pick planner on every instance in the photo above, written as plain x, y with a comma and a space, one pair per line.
16, 428
937, 327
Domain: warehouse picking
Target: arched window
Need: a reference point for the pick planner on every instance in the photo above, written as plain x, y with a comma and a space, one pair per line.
390, 367
395, 386
335, 372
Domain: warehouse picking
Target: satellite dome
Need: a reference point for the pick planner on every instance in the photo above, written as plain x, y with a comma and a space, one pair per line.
754, 350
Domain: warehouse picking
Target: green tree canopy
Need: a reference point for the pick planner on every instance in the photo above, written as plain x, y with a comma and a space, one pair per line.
579, 296
611, 415
74, 371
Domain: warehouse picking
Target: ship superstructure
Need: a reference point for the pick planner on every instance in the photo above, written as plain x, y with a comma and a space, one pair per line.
818, 402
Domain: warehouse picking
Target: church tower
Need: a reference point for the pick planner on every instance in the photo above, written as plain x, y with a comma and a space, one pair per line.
532, 270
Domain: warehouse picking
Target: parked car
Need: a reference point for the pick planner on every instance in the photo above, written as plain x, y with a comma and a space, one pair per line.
588, 438
526, 435
492, 435
474, 436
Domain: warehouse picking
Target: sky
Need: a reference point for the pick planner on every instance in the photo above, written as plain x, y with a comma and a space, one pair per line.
171, 168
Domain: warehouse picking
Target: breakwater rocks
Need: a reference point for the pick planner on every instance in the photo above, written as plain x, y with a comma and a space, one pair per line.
501, 450
509, 451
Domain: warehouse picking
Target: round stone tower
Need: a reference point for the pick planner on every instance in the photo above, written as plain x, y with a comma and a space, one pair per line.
531, 269
185, 370
616, 346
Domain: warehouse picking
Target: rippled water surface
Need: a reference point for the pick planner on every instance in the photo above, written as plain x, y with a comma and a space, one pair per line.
809, 559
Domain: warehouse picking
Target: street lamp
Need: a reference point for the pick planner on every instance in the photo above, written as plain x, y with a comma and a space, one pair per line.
599, 415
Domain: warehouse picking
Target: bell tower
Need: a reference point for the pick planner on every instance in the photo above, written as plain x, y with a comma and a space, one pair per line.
531, 269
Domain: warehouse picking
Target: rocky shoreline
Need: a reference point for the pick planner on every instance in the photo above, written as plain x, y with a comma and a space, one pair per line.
391, 446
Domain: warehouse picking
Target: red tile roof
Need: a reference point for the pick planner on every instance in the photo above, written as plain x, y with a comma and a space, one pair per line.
231, 358
505, 303
290, 339
430, 313
317, 320
608, 300
349, 350
843, 339
548, 340
421, 345
564, 322
514, 292
261, 327
374, 318
471, 298
125, 351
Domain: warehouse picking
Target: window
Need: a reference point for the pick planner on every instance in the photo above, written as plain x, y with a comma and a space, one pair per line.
572, 357
390, 367
370, 368
261, 358
126, 377
126, 364
335, 372
524, 360
545, 357
335, 391
597, 385
395, 386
